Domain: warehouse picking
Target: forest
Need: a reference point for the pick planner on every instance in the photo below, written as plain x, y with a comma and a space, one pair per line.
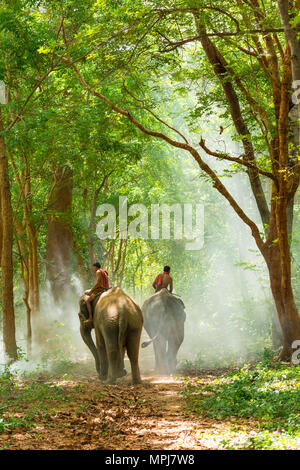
138, 136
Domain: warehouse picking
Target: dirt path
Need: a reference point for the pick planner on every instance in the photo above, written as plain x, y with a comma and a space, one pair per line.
98, 416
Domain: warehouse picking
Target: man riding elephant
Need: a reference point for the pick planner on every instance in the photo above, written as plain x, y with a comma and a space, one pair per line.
118, 323
101, 286
164, 318
163, 280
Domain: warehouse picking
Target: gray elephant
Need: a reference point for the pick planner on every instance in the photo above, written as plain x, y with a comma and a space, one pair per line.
118, 323
164, 318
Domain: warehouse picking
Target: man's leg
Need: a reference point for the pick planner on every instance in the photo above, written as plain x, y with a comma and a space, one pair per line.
88, 300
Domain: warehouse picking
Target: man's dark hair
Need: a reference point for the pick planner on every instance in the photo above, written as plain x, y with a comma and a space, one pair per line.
98, 265
167, 269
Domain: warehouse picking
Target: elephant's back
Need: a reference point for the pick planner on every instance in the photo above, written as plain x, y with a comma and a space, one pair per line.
163, 304
116, 304
153, 311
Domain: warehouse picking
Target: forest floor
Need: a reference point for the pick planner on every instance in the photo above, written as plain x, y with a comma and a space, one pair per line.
83, 413
75, 411
66, 407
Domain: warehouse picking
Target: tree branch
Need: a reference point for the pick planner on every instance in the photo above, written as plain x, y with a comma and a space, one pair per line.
240, 160
204, 167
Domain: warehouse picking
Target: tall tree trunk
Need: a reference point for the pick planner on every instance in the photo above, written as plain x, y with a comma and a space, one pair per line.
24, 184
9, 334
34, 285
24, 257
287, 11
278, 260
92, 231
59, 235
285, 304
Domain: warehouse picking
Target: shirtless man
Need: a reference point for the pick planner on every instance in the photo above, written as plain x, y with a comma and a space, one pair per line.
163, 280
100, 286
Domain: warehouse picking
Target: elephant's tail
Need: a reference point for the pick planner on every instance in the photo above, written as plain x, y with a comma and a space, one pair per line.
146, 343
122, 331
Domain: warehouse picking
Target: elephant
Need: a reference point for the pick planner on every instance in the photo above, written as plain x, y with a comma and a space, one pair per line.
118, 323
164, 317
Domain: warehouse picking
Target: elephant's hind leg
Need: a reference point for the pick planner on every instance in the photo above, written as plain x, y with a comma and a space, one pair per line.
122, 371
172, 356
174, 342
133, 347
160, 351
113, 355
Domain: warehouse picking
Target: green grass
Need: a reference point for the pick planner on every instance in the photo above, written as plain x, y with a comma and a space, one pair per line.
265, 396
226, 358
24, 398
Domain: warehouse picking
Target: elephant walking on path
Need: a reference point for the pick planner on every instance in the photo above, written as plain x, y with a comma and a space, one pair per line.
164, 318
118, 323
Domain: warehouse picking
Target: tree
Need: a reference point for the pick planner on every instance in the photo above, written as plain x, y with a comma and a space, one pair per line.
6, 253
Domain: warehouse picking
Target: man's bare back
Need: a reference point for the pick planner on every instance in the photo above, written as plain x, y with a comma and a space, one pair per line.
163, 280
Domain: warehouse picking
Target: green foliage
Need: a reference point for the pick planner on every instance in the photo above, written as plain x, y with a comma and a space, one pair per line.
267, 394
22, 394
25, 397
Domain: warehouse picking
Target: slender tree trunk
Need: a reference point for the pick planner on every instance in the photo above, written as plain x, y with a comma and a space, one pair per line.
291, 32
9, 335
24, 184
24, 257
34, 287
92, 231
